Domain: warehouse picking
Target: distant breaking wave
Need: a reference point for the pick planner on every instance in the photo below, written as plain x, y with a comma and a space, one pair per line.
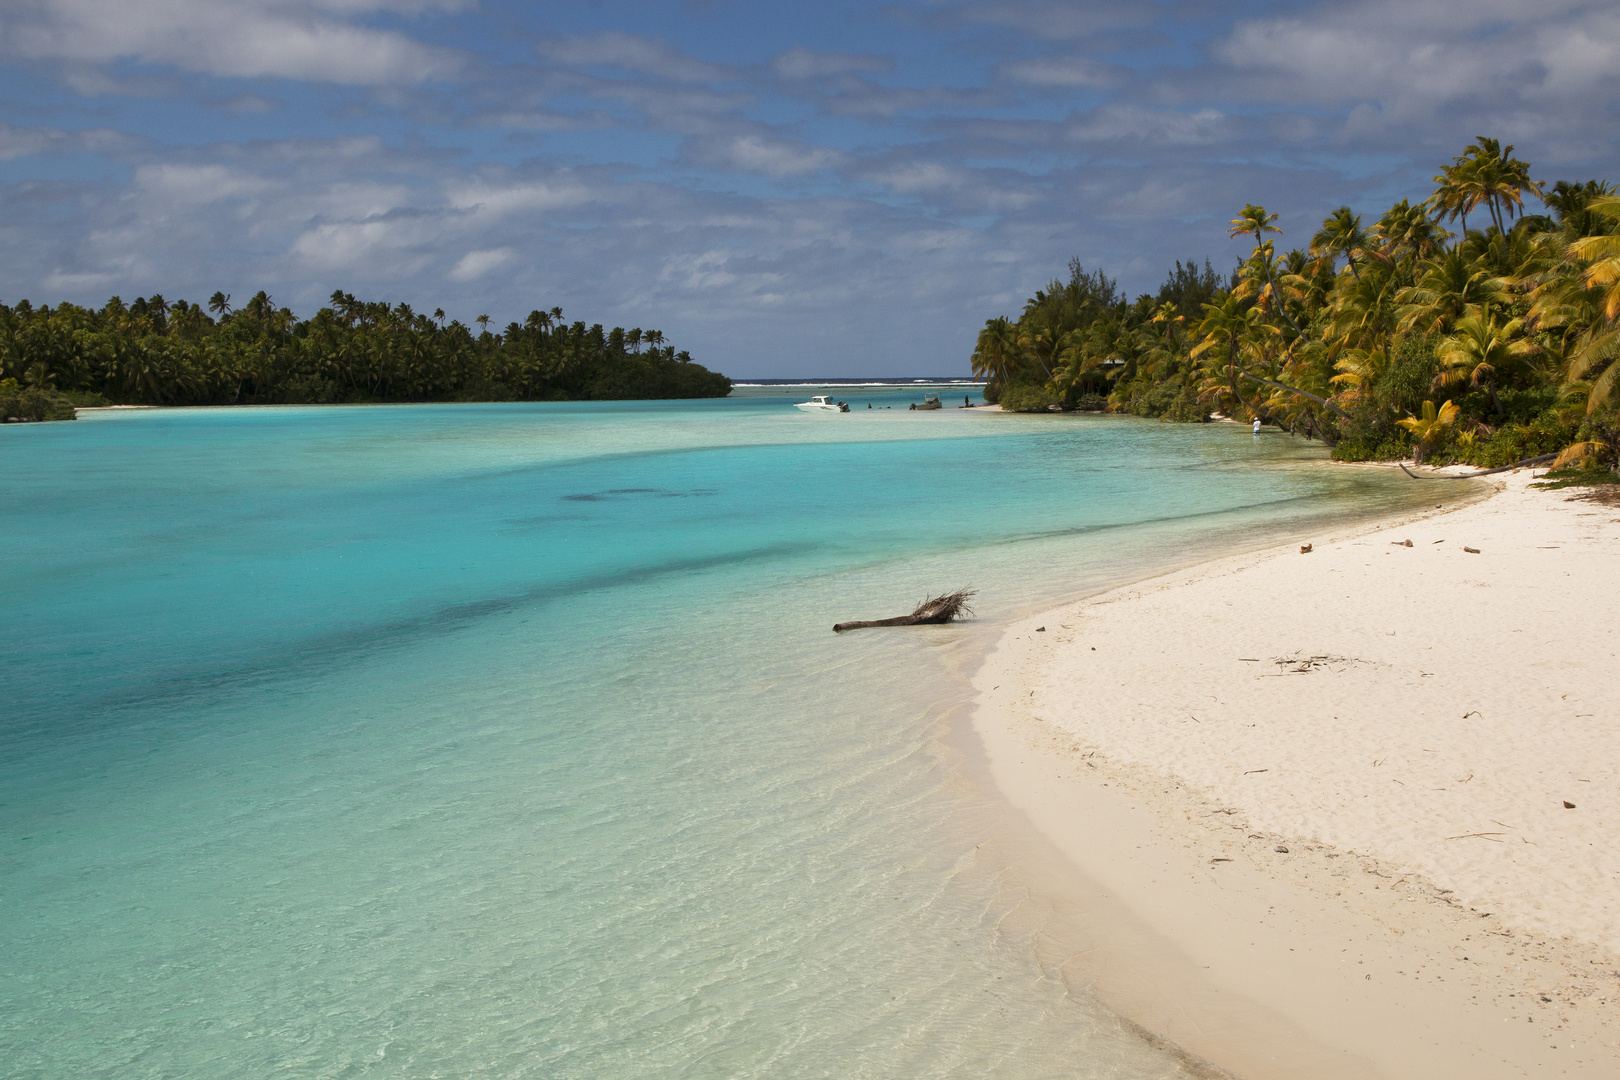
859, 382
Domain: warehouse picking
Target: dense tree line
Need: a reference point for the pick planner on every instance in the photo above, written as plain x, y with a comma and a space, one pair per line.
159, 352
1385, 339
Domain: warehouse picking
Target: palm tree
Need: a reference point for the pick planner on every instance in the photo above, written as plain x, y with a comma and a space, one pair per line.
1486, 174
1042, 338
1228, 328
1253, 219
1360, 370
1341, 234
260, 309
1450, 288
1599, 344
1407, 229
996, 356
1429, 427
220, 304
1572, 205
1603, 256
1481, 350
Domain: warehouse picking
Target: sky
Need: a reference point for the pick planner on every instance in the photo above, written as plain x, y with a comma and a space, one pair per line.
782, 187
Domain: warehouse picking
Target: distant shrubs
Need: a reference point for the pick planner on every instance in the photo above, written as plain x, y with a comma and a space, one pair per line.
1392, 447
160, 352
32, 403
1171, 402
1029, 397
1515, 442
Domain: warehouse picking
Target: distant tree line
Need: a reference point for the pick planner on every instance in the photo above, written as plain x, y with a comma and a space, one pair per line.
159, 352
1387, 339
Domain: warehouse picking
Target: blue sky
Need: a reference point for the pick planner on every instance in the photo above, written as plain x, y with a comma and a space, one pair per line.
783, 188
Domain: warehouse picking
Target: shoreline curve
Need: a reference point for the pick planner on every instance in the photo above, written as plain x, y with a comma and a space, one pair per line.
1279, 861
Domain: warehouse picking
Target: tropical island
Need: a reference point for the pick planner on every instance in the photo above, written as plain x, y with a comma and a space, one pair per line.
159, 352
1386, 340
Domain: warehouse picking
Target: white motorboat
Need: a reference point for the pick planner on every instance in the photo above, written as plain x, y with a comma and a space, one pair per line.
819, 403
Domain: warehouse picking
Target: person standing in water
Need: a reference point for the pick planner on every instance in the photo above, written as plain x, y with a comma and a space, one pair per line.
1257, 425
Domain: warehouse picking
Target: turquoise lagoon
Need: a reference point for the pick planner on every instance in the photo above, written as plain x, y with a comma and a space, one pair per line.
513, 741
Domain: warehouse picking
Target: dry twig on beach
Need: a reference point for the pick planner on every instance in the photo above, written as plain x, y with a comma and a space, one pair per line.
938, 609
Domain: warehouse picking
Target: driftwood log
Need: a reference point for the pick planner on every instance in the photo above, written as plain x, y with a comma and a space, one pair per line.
935, 610
1483, 472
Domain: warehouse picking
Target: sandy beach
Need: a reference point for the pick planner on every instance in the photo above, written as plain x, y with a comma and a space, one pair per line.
1345, 813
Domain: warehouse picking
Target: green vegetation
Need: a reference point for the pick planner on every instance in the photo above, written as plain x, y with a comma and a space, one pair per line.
31, 403
1383, 340
157, 352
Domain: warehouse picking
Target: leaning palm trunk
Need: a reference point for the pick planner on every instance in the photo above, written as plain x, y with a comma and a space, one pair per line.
939, 609
1324, 402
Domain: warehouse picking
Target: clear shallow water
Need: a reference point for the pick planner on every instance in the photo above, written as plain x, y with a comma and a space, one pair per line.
511, 740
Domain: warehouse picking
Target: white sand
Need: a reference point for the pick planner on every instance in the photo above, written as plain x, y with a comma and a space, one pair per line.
1435, 888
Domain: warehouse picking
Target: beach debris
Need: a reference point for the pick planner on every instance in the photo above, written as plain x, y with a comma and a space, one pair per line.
1439, 541
1482, 835
1471, 551
1283, 848
1220, 858
1255, 771
1040, 629
1304, 665
1401, 543
931, 612
1568, 805
1473, 712
1538, 460
1304, 549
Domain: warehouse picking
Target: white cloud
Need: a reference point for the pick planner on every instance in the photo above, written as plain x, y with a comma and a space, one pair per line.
297, 39
765, 156
180, 184
492, 202
961, 189
16, 142
1057, 71
1416, 62
801, 63
475, 264
390, 247
1159, 127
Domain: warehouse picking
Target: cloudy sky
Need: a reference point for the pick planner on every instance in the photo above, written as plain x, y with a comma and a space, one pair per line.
784, 187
